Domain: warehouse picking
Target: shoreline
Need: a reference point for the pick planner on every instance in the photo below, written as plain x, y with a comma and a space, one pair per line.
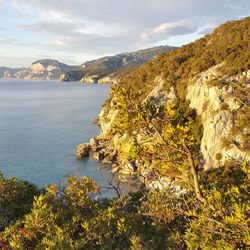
125, 180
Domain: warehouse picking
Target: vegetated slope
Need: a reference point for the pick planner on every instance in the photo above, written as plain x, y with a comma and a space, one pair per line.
192, 100
166, 120
111, 68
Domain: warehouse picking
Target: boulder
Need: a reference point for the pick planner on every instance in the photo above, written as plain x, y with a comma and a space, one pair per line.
93, 143
128, 169
115, 168
82, 150
110, 157
123, 178
98, 155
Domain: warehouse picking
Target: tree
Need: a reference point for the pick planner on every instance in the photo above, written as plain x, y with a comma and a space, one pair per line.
222, 223
16, 198
175, 132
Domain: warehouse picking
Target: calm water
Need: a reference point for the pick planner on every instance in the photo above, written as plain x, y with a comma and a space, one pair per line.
41, 122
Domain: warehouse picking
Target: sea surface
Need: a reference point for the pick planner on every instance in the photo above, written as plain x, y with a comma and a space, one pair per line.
41, 123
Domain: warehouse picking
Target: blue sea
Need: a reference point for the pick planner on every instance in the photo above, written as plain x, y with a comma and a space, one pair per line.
41, 123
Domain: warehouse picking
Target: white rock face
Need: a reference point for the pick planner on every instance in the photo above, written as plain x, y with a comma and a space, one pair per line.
109, 79
46, 69
158, 93
217, 123
106, 119
52, 68
7, 74
37, 67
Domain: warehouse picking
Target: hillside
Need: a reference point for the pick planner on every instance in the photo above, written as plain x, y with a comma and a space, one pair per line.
46, 69
184, 112
8, 73
111, 68
209, 76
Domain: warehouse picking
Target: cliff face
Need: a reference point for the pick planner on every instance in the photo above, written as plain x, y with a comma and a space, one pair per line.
220, 111
8, 73
211, 77
110, 69
40, 70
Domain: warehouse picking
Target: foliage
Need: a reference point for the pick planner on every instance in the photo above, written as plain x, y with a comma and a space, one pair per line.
223, 223
170, 135
16, 199
72, 218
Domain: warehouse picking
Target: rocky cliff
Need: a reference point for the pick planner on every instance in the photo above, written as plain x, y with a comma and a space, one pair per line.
111, 68
46, 69
188, 106
8, 73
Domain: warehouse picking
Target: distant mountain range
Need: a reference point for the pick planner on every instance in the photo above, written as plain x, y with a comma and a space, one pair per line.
111, 68
46, 69
6, 72
104, 70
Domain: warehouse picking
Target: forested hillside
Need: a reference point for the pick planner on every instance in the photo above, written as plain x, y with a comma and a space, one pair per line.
110, 69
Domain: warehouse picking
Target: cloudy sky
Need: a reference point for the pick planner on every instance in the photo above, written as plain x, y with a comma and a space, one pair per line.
74, 31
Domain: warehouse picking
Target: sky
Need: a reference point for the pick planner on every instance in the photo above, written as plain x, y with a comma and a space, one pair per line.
75, 31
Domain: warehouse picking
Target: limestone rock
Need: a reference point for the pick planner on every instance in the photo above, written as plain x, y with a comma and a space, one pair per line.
98, 155
90, 79
115, 168
217, 123
128, 169
37, 67
93, 143
109, 158
46, 69
123, 178
82, 150
111, 79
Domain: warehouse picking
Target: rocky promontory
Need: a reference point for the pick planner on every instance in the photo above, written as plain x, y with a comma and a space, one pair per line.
46, 69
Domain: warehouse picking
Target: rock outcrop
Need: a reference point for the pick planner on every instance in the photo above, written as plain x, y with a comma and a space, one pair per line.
217, 121
82, 150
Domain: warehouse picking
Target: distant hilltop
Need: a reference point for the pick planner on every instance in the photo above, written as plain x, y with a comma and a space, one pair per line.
111, 68
104, 70
46, 69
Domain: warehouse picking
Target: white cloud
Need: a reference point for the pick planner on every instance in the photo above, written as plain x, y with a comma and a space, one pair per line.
8, 41
164, 30
233, 7
206, 30
3, 40
100, 27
